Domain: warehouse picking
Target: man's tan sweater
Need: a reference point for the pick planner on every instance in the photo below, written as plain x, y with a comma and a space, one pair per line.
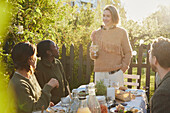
114, 50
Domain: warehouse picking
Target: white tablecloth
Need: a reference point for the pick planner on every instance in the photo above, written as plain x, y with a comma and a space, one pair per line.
139, 101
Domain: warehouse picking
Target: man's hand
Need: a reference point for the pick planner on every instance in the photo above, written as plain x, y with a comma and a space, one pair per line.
53, 82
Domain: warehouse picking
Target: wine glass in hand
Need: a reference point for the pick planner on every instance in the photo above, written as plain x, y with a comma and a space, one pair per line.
94, 51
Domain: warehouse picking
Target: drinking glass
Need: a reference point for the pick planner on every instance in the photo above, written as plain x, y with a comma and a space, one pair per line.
65, 101
109, 100
95, 49
110, 95
115, 85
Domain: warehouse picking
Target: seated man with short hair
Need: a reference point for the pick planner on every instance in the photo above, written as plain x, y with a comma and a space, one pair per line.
50, 67
160, 62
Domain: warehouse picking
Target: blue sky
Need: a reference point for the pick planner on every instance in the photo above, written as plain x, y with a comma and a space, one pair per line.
139, 9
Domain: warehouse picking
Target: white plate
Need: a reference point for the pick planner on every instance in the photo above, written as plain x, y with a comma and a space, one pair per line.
127, 108
57, 109
139, 109
136, 92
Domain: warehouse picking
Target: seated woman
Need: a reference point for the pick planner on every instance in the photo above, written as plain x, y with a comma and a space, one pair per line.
29, 96
50, 67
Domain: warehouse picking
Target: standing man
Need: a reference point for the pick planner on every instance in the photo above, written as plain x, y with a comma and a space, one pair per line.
160, 63
50, 67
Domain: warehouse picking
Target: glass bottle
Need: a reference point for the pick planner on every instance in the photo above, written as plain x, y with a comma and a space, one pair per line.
74, 102
92, 101
83, 108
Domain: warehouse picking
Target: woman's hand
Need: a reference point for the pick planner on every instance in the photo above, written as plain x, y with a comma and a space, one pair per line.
53, 82
93, 55
94, 51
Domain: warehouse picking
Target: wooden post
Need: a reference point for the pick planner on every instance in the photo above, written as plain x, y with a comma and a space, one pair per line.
63, 59
71, 66
139, 68
148, 73
80, 65
88, 66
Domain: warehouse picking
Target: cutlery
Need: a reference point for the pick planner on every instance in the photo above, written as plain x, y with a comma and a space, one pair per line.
42, 109
69, 92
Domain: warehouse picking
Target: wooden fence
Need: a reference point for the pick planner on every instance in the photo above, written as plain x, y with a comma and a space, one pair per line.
85, 66
79, 68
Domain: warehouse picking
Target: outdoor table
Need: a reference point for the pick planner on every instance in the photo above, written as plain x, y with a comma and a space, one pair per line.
139, 101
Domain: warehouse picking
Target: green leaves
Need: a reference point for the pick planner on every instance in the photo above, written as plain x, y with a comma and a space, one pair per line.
4, 14
6, 103
38, 11
101, 88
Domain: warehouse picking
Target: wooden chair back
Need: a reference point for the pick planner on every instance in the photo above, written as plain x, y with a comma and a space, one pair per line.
129, 76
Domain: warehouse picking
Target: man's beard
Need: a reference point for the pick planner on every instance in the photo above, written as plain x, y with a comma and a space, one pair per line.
153, 67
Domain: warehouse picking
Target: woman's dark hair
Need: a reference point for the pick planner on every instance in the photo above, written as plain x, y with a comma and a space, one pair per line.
21, 53
42, 48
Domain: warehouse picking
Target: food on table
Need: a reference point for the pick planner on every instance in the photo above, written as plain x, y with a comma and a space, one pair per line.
132, 111
120, 108
123, 88
62, 111
58, 110
124, 96
119, 92
103, 109
103, 105
132, 96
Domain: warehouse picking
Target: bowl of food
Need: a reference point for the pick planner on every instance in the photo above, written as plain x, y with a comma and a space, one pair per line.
57, 109
125, 109
132, 109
